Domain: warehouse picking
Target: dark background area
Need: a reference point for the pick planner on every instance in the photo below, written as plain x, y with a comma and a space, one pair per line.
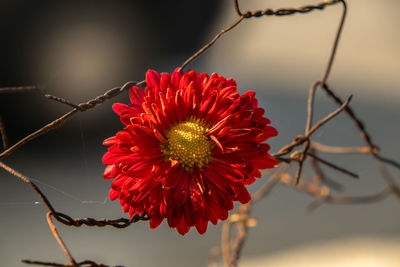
36, 36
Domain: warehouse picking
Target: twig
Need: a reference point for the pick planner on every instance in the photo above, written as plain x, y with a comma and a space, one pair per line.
352, 115
209, 44
323, 194
259, 13
350, 199
360, 125
319, 124
85, 263
19, 89
285, 11
336, 42
59, 239
387, 160
389, 180
213, 253
333, 166
50, 126
26, 180
61, 120
320, 177
237, 9
226, 243
329, 117
341, 150
300, 139
241, 235
310, 105
301, 159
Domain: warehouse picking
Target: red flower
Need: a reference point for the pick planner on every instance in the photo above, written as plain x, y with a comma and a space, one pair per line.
190, 145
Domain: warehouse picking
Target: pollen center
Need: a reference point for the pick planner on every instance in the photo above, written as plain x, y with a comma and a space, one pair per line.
188, 144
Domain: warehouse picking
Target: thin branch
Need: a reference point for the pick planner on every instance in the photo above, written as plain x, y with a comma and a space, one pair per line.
242, 229
67, 220
61, 120
340, 150
237, 9
26, 180
361, 199
210, 43
85, 263
213, 253
336, 43
310, 113
323, 194
389, 180
360, 125
226, 243
289, 11
59, 239
333, 166
50, 126
61, 100
300, 139
388, 161
265, 189
329, 117
320, 177
319, 124
302, 158
20, 89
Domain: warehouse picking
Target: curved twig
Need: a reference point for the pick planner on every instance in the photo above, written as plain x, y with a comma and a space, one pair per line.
210, 43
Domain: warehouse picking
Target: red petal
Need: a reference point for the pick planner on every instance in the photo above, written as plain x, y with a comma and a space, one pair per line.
113, 194
153, 79
136, 95
172, 178
181, 192
182, 227
165, 82
110, 172
201, 225
110, 141
119, 108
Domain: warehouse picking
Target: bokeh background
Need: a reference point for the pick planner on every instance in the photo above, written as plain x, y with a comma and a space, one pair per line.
79, 49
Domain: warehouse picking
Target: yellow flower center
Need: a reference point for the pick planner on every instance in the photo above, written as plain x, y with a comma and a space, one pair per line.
188, 144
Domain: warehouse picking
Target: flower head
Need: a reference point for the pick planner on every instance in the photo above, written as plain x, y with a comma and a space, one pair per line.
190, 145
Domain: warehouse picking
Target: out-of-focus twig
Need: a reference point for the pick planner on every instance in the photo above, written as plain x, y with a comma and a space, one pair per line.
61, 120
341, 150
333, 166
59, 239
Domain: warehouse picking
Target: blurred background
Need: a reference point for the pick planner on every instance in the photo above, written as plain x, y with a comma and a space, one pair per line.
79, 49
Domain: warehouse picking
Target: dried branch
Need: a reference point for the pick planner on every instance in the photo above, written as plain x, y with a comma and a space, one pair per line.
320, 177
59, 239
20, 89
333, 166
283, 11
209, 44
61, 120
341, 150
